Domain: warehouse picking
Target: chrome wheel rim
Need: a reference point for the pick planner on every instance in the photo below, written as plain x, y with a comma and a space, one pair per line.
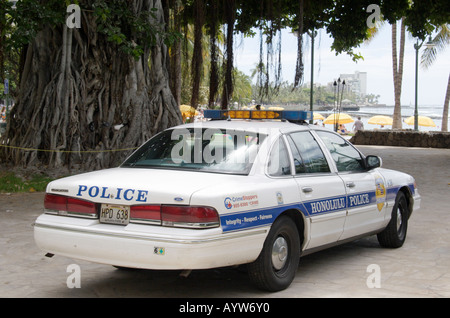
279, 253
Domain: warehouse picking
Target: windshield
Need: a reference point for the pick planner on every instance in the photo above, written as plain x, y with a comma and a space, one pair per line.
200, 149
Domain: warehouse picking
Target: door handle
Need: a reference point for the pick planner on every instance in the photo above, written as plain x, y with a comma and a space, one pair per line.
307, 189
350, 184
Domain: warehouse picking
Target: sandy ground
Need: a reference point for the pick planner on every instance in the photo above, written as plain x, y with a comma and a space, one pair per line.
421, 268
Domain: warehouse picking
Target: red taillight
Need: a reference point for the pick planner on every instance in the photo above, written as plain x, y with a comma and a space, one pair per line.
55, 202
80, 206
198, 217
65, 205
189, 216
146, 214
175, 215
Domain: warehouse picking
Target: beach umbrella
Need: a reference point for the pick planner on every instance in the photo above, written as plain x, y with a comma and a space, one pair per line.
338, 118
422, 121
187, 109
380, 120
188, 112
318, 116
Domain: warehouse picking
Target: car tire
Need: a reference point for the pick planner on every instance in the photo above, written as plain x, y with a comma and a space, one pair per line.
277, 264
394, 235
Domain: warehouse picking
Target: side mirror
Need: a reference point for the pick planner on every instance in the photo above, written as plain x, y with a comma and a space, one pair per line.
373, 162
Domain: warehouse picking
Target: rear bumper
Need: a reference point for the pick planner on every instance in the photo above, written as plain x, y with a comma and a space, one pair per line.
146, 246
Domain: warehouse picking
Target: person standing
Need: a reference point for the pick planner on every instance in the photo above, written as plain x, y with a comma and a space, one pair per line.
358, 125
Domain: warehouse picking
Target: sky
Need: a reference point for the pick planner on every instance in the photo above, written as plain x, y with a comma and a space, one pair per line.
377, 63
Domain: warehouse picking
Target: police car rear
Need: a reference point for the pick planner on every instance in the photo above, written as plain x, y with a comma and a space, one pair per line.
161, 209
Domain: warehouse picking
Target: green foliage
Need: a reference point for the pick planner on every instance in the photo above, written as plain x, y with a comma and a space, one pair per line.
29, 17
394, 10
423, 17
130, 31
243, 87
348, 25
10, 182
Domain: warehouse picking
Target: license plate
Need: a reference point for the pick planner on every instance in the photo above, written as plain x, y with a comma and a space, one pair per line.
114, 214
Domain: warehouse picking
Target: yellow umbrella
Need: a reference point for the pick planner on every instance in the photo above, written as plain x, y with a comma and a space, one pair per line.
318, 116
422, 121
339, 118
187, 112
380, 120
187, 109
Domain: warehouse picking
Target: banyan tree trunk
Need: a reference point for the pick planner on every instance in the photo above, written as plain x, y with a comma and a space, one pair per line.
83, 102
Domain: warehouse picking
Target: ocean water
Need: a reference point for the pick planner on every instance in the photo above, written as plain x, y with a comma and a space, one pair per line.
432, 111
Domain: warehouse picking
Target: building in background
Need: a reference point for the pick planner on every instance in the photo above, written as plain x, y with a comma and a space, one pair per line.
356, 83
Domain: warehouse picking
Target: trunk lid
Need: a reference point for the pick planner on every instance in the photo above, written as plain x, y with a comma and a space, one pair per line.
131, 186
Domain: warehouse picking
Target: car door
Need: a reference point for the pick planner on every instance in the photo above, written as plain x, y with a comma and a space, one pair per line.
322, 191
365, 189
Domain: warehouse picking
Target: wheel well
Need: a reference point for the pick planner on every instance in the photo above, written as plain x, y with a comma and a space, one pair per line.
299, 221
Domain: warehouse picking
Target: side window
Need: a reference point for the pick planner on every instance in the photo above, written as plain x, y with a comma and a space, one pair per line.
279, 164
308, 157
347, 158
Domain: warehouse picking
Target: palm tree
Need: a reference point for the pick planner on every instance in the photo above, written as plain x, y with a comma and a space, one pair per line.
429, 55
397, 66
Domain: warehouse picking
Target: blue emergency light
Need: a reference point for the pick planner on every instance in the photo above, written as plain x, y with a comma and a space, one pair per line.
290, 115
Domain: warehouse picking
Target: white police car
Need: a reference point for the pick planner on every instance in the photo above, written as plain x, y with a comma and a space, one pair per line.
222, 193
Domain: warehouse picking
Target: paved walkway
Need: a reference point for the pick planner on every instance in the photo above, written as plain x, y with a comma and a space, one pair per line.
421, 268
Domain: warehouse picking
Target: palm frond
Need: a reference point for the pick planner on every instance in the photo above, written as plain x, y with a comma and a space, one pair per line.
439, 43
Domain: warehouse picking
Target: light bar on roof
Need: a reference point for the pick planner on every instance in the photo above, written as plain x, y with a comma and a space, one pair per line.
290, 115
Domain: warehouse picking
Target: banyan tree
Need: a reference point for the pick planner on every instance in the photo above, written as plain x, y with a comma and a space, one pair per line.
88, 93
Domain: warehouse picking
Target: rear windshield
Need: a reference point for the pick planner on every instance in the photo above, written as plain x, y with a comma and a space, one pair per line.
200, 149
